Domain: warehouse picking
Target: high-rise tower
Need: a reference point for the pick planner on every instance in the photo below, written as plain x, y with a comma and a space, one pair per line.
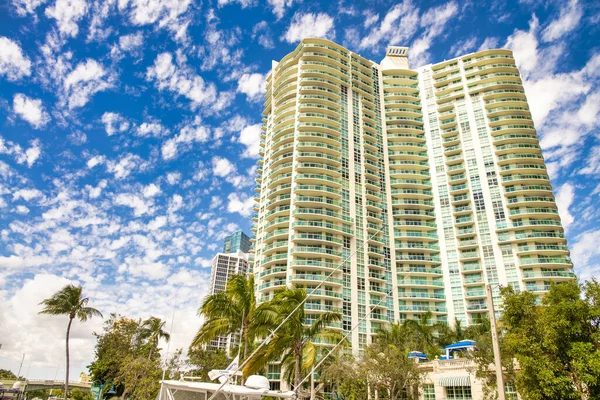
425, 184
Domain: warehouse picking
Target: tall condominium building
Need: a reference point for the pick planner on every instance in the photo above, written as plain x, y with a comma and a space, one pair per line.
417, 187
236, 241
225, 265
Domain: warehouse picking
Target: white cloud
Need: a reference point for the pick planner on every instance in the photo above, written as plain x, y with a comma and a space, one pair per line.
28, 156
250, 137
151, 190
95, 192
184, 82
564, 199
67, 14
463, 47
262, 33
222, 167
253, 86
96, 160
279, 6
13, 63
399, 24
26, 194
167, 13
31, 154
114, 122
154, 129
133, 201
489, 43
584, 253
194, 132
87, 79
433, 21
243, 3
126, 164
309, 25
173, 178
31, 110
22, 210
240, 204
569, 18
25, 7
131, 42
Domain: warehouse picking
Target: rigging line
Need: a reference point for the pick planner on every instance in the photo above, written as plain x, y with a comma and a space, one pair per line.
388, 294
272, 334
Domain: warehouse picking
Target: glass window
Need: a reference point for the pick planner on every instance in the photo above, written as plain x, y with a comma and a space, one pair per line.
428, 392
459, 393
511, 391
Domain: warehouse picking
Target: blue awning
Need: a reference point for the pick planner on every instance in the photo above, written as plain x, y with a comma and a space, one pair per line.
417, 354
463, 344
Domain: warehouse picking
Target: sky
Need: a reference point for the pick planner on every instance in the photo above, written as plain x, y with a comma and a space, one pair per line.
129, 138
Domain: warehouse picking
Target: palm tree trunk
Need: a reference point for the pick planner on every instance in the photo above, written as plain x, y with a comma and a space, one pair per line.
67, 347
297, 371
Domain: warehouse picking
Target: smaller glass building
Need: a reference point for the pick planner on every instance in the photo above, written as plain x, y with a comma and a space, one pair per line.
236, 241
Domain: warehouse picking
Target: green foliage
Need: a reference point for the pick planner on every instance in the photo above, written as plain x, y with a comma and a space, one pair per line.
140, 377
384, 367
201, 361
293, 344
234, 311
127, 354
346, 376
556, 343
6, 374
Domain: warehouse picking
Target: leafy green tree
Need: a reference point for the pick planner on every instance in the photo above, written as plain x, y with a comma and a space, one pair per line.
69, 301
152, 330
294, 343
119, 339
140, 378
346, 377
6, 374
234, 311
201, 361
555, 343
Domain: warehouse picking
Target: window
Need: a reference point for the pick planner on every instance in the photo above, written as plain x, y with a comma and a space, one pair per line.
428, 392
511, 391
459, 393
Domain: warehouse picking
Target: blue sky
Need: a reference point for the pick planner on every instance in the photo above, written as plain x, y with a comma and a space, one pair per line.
129, 134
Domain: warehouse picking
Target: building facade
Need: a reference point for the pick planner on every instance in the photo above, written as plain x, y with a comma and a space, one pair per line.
224, 266
412, 188
236, 241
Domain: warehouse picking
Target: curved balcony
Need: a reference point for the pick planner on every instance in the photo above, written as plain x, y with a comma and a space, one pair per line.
308, 251
314, 265
320, 213
307, 168
311, 278
272, 285
518, 201
546, 262
431, 296
417, 309
545, 249
558, 275
316, 239
318, 190
273, 272
420, 283
273, 259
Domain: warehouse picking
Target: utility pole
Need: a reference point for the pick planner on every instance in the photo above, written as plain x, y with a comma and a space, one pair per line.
496, 345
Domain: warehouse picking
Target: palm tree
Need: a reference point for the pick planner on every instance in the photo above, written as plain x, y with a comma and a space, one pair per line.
295, 342
233, 311
69, 301
152, 329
